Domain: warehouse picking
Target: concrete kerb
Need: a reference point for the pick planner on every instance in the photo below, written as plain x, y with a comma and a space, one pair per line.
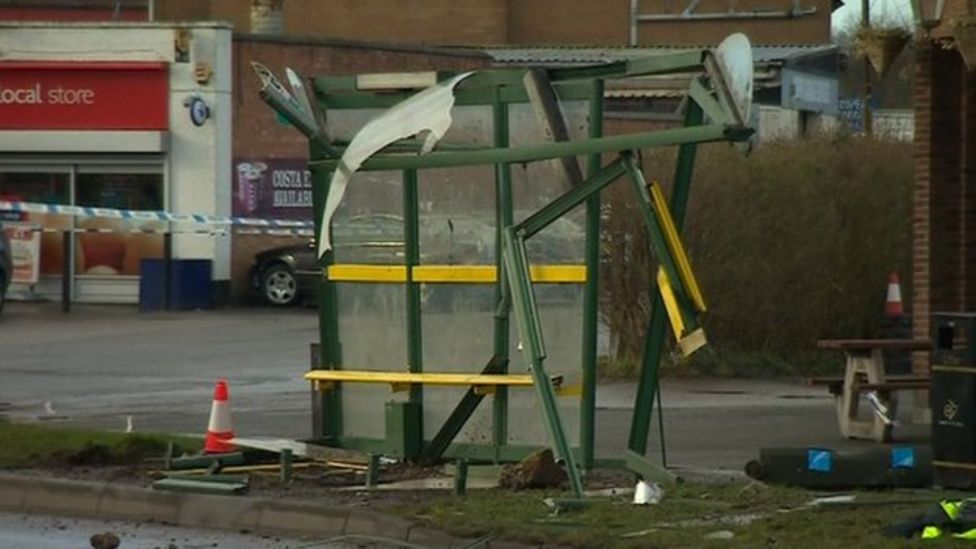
28, 494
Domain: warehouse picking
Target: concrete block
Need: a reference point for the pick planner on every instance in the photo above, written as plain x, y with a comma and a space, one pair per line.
227, 512
13, 490
425, 537
301, 519
133, 503
62, 497
368, 523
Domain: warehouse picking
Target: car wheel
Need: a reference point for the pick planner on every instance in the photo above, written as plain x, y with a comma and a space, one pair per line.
279, 287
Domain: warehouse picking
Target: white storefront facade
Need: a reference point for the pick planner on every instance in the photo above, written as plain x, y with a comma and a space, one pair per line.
126, 116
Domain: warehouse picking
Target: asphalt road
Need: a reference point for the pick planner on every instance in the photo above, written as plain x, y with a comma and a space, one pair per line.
44, 532
99, 366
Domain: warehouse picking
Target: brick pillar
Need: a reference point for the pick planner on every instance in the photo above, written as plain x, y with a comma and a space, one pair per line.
944, 113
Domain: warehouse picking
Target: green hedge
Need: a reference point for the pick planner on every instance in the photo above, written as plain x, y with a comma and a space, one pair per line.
790, 244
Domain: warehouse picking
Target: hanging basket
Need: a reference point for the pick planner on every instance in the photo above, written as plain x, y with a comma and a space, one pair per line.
964, 33
880, 46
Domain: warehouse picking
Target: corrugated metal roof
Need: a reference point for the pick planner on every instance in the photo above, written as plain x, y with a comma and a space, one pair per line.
578, 55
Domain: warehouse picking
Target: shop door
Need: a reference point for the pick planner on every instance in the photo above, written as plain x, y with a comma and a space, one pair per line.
107, 265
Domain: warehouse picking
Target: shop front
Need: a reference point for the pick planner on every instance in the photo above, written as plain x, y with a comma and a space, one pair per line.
88, 119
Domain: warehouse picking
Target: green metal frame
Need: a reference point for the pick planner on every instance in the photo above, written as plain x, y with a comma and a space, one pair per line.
708, 118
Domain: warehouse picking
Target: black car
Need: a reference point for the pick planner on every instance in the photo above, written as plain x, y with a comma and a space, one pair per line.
285, 276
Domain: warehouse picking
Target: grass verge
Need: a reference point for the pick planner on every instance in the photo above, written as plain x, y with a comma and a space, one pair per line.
756, 515
32, 445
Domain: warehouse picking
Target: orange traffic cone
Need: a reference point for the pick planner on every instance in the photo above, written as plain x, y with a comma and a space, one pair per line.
893, 306
220, 430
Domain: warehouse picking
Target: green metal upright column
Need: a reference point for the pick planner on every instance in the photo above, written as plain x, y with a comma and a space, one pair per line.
591, 298
411, 239
503, 218
330, 354
656, 330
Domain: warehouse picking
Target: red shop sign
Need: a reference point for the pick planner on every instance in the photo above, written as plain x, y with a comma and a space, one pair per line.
83, 96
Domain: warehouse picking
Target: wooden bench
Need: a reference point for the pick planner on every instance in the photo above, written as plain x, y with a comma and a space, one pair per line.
864, 371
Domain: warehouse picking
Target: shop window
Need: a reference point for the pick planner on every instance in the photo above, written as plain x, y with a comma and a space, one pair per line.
49, 188
120, 251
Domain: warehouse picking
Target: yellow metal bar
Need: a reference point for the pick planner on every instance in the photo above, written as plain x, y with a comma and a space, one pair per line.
670, 304
456, 274
677, 248
451, 274
366, 273
427, 378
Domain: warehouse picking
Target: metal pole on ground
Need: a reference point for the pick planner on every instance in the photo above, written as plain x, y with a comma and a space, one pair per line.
66, 271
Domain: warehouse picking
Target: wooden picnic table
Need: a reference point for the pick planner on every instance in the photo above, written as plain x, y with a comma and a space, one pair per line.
864, 371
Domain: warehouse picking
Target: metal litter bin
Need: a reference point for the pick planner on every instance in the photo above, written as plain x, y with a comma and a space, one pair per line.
953, 399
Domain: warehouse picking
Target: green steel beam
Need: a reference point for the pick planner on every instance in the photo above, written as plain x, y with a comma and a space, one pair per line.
411, 239
647, 470
591, 296
716, 113
530, 331
571, 198
659, 245
502, 324
460, 415
654, 337
330, 350
546, 151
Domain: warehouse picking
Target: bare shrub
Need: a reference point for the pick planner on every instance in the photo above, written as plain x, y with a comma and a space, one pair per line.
790, 244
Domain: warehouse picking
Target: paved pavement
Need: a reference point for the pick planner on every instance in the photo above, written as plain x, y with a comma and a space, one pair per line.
101, 365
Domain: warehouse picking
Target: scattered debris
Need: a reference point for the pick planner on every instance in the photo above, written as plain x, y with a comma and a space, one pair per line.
539, 470
830, 469
105, 540
200, 485
647, 493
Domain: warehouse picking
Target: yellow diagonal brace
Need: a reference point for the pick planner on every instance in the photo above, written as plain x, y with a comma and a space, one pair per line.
677, 248
670, 304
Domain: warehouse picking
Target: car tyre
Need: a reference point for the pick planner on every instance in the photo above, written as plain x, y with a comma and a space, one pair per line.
279, 286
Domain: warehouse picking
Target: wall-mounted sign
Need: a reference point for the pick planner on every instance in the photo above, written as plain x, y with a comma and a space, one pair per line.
273, 188
83, 96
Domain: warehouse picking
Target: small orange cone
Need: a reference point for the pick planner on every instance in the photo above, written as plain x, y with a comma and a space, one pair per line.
893, 306
220, 430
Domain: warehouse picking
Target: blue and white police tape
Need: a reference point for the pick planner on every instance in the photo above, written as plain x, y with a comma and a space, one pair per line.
151, 215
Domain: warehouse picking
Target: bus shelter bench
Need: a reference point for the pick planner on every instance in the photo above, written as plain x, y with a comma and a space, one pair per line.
864, 371
324, 380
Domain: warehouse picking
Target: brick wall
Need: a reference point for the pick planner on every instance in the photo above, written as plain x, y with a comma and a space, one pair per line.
257, 133
944, 216
492, 22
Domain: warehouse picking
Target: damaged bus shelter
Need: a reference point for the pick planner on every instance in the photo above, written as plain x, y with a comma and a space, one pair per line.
476, 176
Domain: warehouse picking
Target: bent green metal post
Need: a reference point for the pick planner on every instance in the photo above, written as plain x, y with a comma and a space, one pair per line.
591, 298
647, 386
503, 218
530, 332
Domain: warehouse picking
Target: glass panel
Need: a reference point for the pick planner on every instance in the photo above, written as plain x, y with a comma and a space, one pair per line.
561, 314
50, 188
372, 324
118, 252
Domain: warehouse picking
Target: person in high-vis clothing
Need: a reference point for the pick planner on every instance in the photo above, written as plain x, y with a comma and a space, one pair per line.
947, 518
